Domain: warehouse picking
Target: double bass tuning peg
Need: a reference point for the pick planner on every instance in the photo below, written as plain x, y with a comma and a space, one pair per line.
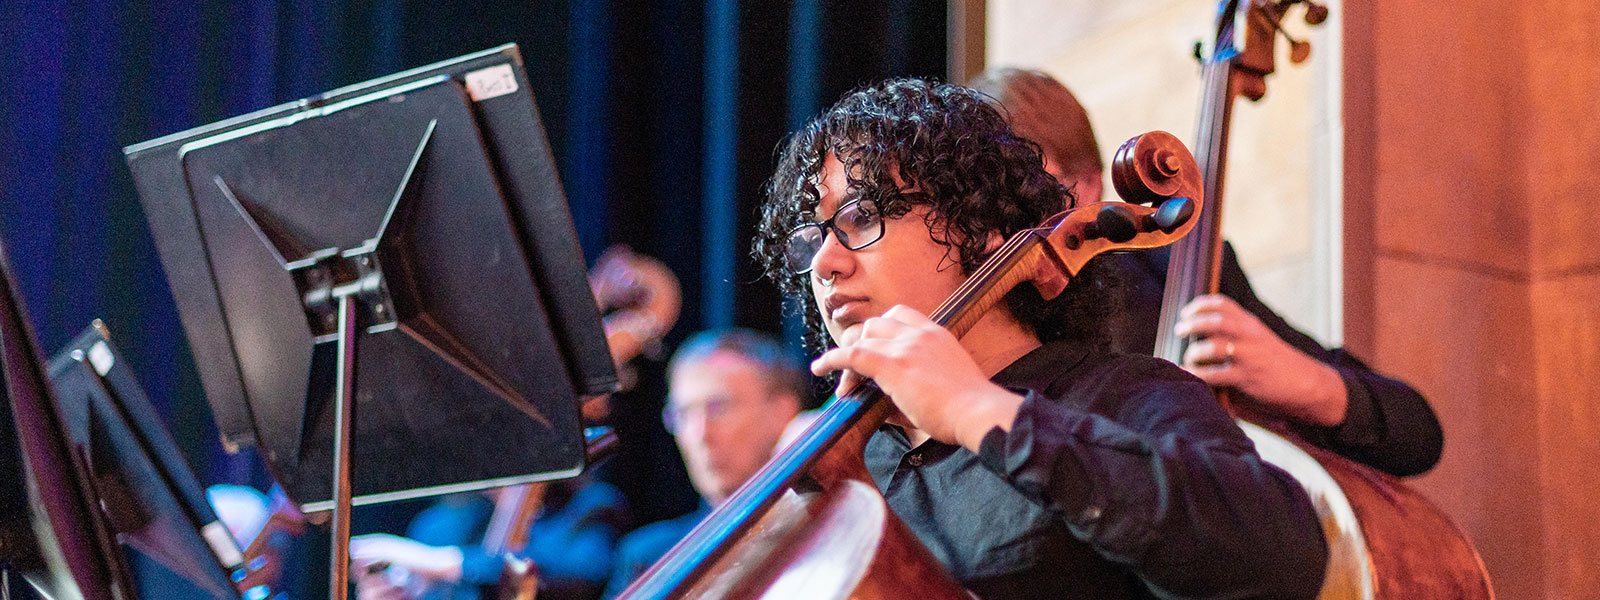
1316, 14
1299, 50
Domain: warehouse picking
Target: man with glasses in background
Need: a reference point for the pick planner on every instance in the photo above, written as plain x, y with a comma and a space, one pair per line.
733, 394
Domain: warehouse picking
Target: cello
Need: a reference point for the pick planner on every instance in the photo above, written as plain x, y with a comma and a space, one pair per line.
811, 524
1385, 540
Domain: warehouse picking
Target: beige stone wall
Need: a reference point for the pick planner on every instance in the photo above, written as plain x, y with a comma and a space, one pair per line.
1132, 66
1475, 129
1469, 227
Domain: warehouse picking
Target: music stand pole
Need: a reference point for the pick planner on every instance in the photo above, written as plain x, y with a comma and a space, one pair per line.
343, 417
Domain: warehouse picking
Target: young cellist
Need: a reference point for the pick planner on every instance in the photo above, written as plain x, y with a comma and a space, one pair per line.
1030, 460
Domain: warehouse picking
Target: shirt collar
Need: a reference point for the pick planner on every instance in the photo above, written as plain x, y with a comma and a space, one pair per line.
1036, 369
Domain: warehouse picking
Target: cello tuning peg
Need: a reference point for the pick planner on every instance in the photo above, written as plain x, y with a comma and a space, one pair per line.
1199, 53
1171, 215
1114, 222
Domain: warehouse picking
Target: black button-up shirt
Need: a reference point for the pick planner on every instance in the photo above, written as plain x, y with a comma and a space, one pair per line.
1120, 478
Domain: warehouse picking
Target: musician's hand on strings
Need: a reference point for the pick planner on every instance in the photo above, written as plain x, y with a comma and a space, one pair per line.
1236, 350
926, 373
641, 292
435, 563
642, 299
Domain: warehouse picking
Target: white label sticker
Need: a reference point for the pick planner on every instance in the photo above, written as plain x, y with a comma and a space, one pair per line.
484, 84
101, 357
222, 544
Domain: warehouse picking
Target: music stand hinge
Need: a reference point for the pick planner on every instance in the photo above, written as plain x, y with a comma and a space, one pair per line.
328, 275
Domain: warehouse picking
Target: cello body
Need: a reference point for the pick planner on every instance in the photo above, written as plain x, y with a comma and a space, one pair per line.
836, 542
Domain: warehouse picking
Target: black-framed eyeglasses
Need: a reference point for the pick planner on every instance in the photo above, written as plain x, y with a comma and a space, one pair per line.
857, 224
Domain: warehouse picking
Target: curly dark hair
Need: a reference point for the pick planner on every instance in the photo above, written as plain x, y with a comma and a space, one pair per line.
962, 160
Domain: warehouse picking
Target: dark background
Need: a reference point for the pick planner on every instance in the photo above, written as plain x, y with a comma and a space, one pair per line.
665, 117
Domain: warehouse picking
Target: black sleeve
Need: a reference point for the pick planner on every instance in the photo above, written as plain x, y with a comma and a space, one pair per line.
1388, 424
1157, 477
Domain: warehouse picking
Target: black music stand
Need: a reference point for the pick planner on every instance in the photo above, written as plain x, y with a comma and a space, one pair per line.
149, 495
51, 529
420, 215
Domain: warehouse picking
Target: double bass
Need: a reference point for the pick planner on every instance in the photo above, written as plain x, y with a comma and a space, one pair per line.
1385, 540
810, 524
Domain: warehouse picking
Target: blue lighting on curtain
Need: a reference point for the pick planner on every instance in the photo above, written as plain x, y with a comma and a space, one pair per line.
38, 75
720, 205
387, 36
313, 25
249, 84
619, 89
93, 116
804, 101
805, 61
897, 45
585, 171
174, 68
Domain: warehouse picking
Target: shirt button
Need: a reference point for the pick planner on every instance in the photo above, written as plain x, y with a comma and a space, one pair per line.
1089, 514
914, 460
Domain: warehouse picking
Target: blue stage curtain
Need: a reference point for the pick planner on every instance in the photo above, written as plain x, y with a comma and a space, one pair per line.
665, 116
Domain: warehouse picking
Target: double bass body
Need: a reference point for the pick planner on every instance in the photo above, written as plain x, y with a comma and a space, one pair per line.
1386, 540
